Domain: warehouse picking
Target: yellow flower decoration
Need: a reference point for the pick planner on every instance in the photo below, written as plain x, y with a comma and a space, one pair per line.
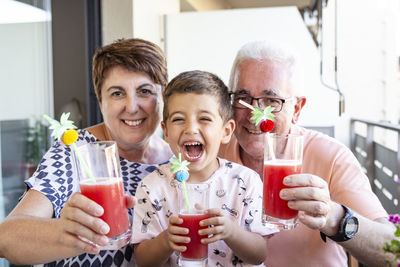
70, 137
63, 130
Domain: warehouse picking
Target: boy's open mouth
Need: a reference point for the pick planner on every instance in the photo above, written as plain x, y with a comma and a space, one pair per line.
192, 150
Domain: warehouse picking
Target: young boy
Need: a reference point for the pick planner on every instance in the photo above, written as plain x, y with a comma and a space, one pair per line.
197, 118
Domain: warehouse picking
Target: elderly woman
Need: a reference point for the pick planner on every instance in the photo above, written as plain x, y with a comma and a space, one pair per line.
129, 77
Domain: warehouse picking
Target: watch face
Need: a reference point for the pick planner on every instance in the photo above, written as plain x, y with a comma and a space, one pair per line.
351, 227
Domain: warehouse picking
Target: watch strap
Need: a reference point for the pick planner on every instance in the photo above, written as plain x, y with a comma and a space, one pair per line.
340, 235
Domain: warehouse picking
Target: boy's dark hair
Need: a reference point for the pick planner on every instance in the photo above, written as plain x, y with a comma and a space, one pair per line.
199, 82
133, 54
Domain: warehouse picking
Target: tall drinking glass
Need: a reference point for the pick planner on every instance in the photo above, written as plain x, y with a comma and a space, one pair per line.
282, 157
192, 213
106, 189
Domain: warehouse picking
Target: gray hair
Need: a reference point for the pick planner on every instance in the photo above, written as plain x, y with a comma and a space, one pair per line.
272, 51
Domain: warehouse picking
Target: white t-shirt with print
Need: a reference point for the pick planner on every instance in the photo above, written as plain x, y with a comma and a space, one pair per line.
235, 189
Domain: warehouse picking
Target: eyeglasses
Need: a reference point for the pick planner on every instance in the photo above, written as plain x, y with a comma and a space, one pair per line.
262, 102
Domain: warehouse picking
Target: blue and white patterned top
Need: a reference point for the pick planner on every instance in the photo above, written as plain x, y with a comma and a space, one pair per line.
55, 178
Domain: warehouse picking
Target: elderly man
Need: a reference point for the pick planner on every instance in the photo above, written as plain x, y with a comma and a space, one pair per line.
331, 193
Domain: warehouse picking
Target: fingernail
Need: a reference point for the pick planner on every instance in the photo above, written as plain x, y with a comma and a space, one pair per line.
105, 229
287, 180
98, 211
283, 193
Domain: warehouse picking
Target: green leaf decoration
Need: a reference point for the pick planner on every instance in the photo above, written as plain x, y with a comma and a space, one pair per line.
260, 115
178, 165
60, 127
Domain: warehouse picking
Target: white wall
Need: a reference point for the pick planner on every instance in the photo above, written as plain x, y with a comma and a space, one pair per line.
136, 18
368, 52
148, 20
117, 20
210, 40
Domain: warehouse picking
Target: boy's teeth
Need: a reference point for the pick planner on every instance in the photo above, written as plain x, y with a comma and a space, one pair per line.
133, 123
192, 144
192, 158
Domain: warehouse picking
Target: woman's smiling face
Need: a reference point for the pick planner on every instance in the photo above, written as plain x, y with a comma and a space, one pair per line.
131, 105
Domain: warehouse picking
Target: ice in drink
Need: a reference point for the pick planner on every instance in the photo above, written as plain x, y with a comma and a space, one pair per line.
195, 249
274, 173
109, 193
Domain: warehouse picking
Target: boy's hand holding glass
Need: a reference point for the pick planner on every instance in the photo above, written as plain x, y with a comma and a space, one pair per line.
219, 226
176, 234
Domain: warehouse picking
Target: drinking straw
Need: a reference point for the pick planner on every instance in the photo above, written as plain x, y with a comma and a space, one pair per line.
186, 196
66, 128
246, 105
83, 163
267, 134
180, 168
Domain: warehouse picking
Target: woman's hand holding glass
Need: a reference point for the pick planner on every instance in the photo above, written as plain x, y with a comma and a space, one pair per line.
79, 218
79, 221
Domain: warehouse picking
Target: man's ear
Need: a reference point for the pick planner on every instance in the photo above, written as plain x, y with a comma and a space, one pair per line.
164, 129
227, 131
300, 102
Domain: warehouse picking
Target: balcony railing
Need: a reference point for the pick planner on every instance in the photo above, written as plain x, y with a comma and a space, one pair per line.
377, 148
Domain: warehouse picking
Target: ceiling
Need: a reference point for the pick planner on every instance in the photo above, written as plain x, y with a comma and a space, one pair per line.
204, 5
310, 10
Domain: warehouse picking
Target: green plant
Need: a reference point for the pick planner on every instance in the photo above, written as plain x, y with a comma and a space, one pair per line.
394, 245
37, 142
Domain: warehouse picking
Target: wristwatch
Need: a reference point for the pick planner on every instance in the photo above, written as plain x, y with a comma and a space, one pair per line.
348, 227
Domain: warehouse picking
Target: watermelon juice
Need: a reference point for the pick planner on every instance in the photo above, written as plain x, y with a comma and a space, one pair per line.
195, 250
274, 172
109, 193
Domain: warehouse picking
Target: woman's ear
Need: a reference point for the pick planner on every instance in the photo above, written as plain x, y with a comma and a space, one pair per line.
227, 131
164, 129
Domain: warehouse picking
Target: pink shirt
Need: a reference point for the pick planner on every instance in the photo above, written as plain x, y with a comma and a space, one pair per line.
348, 185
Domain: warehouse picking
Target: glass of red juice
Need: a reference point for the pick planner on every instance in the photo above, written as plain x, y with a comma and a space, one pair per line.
105, 188
282, 157
192, 212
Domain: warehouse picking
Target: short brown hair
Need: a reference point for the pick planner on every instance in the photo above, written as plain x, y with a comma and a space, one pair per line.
199, 82
133, 54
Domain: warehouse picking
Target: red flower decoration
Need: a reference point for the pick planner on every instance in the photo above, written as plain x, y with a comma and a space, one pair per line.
267, 126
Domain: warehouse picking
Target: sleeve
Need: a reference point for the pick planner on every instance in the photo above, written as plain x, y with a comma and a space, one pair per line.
55, 176
252, 207
351, 187
146, 222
